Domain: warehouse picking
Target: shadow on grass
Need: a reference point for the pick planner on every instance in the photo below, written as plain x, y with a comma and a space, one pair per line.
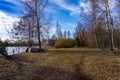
80, 74
43, 72
17, 60
78, 69
46, 73
50, 73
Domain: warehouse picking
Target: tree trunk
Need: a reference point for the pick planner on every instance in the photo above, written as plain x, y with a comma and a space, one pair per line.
109, 25
39, 41
96, 41
38, 25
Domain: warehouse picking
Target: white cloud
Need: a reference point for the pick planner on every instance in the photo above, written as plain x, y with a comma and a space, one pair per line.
6, 21
13, 1
49, 10
85, 6
75, 9
71, 25
52, 31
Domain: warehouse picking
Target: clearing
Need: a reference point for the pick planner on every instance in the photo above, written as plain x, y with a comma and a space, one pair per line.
62, 64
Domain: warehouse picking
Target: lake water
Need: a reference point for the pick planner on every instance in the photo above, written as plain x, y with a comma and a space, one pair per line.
15, 50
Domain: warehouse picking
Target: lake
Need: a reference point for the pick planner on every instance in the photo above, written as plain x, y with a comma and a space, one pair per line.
15, 50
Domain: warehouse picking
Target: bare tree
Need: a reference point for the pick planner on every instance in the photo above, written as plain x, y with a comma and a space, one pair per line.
109, 22
81, 33
94, 19
25, 29
101, 23
58, 31
36, 8
96, 16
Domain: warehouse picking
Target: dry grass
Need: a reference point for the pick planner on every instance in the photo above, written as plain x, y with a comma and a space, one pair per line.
62, 64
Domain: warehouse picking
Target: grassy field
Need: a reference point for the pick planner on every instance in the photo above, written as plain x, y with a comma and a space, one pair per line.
62, 64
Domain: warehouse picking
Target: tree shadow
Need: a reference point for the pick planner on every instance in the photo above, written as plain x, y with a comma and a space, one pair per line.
43, 72
50, 73
81, 75
47, 73
19, 67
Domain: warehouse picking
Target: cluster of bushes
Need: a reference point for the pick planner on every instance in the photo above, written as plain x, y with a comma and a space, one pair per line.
51, 42
67, 43
3, 44
81, 42
64, 43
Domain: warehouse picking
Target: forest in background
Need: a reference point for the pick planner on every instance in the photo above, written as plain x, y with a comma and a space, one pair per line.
100, 28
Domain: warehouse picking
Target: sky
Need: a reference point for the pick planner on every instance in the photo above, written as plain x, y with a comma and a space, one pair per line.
66, 12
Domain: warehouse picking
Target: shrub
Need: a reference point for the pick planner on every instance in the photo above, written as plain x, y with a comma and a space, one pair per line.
81, 42
65, 43
51, 42
3, 45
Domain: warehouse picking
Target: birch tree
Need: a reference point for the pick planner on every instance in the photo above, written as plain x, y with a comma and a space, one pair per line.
37, 8
109, 22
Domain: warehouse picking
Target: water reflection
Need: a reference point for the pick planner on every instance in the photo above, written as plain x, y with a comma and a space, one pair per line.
15, 50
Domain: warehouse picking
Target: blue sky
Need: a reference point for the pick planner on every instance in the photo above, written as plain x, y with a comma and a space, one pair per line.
66, 12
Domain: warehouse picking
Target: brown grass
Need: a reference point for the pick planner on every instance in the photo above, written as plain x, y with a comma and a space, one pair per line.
62, 64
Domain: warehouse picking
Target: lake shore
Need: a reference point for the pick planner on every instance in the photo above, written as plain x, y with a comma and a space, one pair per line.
15, 50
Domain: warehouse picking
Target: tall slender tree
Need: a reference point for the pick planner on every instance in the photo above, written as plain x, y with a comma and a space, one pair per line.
58, 31
109, 22
36, 8
65, 34
68, 34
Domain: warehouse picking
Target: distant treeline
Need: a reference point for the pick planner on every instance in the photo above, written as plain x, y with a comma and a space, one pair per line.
23, 43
